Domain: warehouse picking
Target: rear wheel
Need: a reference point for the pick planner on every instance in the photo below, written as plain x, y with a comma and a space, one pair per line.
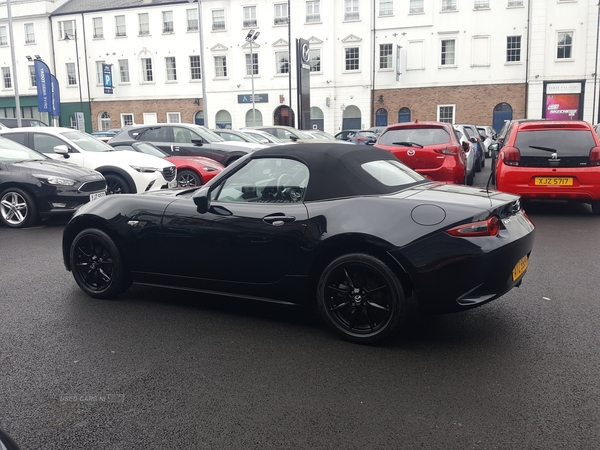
596, 207
17, 208
478, 164
116, 184
97, 265
360, 298
188, 178
469, 179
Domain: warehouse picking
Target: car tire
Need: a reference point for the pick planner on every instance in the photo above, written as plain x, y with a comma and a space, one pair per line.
470, 178
116, 184
361, 299
477, 165
188, 178
97, 264
18, 208
596, 208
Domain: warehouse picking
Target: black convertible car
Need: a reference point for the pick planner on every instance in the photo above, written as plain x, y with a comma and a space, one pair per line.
348, 227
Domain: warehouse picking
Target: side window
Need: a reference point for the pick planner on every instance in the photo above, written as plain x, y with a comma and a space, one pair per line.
183, 135
17, 137
45, 143
265, 180
155, 134
125, 147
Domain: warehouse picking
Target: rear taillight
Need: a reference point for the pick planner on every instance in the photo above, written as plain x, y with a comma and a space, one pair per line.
511, 156
452, 150
489, 227
595, 157
361, 139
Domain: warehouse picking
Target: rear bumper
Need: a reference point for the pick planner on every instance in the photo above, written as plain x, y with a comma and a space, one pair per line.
450, 172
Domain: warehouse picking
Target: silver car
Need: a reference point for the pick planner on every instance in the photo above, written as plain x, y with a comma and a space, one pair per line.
463, 136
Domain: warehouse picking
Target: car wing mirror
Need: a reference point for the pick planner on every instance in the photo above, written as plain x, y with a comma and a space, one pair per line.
198, 142
62, 150
466, 147
493, 147
202, 200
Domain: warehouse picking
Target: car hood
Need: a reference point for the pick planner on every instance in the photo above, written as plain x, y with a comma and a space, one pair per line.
197, 159
127, 158
233, 145
56, 168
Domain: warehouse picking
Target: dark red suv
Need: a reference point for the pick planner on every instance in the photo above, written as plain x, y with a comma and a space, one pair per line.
550, 159
430, 148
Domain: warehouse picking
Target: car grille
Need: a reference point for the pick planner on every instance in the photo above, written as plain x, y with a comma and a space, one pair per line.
169, 173
93, 186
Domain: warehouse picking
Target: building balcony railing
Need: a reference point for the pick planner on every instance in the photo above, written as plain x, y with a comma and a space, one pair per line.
352, 16
216, 26
250, 23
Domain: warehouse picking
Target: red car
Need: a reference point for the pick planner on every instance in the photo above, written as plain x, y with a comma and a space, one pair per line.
430, 148
191, 170
550, 159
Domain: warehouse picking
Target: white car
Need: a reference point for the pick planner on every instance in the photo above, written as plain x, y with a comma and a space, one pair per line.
463, 136
125, 172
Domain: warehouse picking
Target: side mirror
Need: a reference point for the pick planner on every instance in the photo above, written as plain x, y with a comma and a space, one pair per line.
493, 147
293, 138
466, 147
202, 200
473, 140
198, 142
62, 150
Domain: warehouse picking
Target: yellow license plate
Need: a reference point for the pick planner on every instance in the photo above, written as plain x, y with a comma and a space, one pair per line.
553, 181
520, 267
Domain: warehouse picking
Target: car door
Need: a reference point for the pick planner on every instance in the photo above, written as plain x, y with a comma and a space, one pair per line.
249, 235
45, 143
161, 136
187, 142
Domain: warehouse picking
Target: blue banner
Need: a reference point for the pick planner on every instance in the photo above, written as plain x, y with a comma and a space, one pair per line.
43, 82
55, 96
107, 75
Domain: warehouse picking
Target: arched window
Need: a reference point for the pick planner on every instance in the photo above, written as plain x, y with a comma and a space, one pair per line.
281, 116
381, 117
317, 118
404, 115
223, 119
254, 119
103, 121
199, 118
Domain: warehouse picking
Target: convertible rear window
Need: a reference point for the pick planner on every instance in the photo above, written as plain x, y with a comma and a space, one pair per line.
422, 136
564, 142
391, 173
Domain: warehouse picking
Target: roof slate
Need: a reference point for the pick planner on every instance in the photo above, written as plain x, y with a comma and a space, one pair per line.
83, 6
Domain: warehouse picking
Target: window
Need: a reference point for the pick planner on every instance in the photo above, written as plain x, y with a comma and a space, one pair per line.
98, 28
32, 79
6, 78
282, 62
147, 71
3, 38
195, 68
171, 68
352, 58
416, 6
315, 60
167, 17
192, 19
313, 11
45, 143
514, 3
71, 74
120, 29
144, 24
66, 28
351, 10
251, 64
448, 5
482, 4
99, 73
173, 117
446, 113
385, 56
448, 46
124, 70
218, 20
565, 45
281, 14
249, 16
221, 66
104, 122
29, 34
513, 48
386, 7
126, 119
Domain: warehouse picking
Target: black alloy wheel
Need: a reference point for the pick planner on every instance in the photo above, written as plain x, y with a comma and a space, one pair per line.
116, 184
361, 299
17, 208
97, 265
188, 178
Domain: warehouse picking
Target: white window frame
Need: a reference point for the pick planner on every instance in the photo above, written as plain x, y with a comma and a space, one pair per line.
32, 79
143, 25
481, 4
29, 33
168, 25
453, 64
99, 73
280, 14
449, 6
350, 47
571, 46
278, 66
313, 11
221, 66
7, 83
312, 52
351, 10
173, 115
218, 25
195, 68
124, 70
416, 7
3, 36
386, 8
66, 26
191, 19
124, 119
515, 4
71, 71
513, 49
170, 72
252, 64
250, 20
439, 108
98, 28
120, 26
147, 72
388, 57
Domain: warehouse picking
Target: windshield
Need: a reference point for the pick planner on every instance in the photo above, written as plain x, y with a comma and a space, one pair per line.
421, 136
563, 142
87, 142
11, 151
391, 173
150, 149
206, 134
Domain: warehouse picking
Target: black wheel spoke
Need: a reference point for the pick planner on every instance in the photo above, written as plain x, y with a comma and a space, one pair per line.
337, 289
371, 291
348, 279
353, 319
366, 313
340, 306
375, 305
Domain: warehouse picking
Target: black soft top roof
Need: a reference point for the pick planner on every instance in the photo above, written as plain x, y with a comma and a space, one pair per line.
335, 168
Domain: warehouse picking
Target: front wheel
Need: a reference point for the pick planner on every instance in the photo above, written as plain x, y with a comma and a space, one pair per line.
116, 184
188, 178
97, 265
17, 208
360, 298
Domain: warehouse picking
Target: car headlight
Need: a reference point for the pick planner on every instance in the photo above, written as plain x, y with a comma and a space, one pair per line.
145, 169
210, 169
56, 181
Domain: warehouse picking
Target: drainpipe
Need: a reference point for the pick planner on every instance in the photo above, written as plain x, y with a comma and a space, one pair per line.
372, 106
527, 57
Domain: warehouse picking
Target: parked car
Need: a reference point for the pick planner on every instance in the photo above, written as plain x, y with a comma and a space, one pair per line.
322, 135
124, 173
191, 170
550, 159
430, 148
283, 225
235, 136
262, 136
344, 135
363, 137
13, 123
481, 150
488, 134
285, 133
34, 187
377, 130
183, 139
106, 135
470, 150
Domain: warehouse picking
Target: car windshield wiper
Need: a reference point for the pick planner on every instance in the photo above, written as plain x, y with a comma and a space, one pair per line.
408, 144
547, 149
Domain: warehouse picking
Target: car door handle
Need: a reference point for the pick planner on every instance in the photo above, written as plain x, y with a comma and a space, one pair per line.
278, 219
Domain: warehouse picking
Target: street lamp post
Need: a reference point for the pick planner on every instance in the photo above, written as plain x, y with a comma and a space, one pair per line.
594, 118
251, 37
67, 39
202, 73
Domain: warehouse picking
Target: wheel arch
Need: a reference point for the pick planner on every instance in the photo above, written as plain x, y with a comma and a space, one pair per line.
104, 170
